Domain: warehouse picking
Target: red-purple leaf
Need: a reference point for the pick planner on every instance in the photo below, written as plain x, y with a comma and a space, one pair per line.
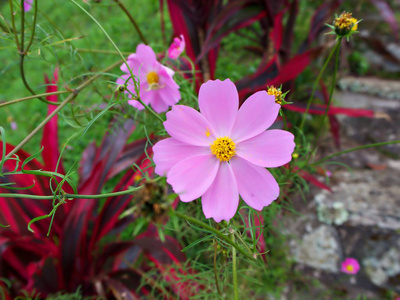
276, 34
120, 291
17, 212
234, 16
255, 82
191, 19
294, 67
314, 181
319, 109
286, 46
50, 152
333, 122
320, 17
130, 154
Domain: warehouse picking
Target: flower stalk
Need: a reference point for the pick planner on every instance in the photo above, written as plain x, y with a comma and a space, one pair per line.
328, 105
317, 82
234, 268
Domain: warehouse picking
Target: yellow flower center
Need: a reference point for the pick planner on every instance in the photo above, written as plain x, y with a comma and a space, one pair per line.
355, 26
152, 78
223, 148
350, 268
273, 91
346, 21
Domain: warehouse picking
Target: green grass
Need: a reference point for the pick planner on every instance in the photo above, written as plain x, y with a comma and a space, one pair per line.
61, 29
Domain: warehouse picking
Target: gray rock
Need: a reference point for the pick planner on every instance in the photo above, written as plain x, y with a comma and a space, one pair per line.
319, 249
367, 198
382, 266
386, 89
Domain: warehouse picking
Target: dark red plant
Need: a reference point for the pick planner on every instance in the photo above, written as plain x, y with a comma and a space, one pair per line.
83, 249
204, 24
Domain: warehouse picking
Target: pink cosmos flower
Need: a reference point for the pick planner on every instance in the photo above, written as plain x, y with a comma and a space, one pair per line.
350, 266
13, 125
157, 88
177, 47
27, 5
221, 152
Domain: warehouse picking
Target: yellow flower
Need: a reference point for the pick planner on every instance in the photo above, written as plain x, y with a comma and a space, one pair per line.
273, 91
345, 24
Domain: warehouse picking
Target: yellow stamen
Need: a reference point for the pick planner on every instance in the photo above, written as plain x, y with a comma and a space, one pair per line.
273, 91
152, 78
346, 21
208, 132
350, 268
355, 26
223, 148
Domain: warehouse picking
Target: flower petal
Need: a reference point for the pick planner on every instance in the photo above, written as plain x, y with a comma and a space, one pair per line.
167, 70
188, 126
136, 104
170, 95
257, 187
131, 60
191, 177
221, 200
145, 54
272, 148
219, 102
169, 152
256, 115
152, 98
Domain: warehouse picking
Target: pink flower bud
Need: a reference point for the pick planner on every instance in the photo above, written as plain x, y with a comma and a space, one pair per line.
177, 47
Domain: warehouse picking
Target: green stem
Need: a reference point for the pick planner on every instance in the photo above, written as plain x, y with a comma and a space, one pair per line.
354, 149
216, 232
215, 267
328, 105
13, 23
100, 51
145, 105
34, 27
132, 21
33, 97
21, 50
107, 195
234, 270
317, 82
59, 108
25, 82
68, 196
5, 27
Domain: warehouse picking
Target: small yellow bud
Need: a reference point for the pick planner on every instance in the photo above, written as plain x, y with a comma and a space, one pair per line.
345, 24
273, 91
